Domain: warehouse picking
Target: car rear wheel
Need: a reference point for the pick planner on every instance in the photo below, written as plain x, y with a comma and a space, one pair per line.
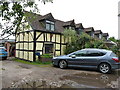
63, 64
104, 68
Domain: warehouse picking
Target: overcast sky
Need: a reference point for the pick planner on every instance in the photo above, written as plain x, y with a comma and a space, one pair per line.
100, 14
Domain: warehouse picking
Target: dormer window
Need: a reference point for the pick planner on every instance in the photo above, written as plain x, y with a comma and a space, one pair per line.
70, 27
50, 25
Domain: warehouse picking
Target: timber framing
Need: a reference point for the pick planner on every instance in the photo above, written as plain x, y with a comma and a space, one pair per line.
36, 40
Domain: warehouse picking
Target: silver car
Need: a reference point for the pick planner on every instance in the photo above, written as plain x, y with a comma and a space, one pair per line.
103, 60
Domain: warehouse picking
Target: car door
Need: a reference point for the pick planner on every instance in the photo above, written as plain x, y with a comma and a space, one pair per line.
77, 58
92, 58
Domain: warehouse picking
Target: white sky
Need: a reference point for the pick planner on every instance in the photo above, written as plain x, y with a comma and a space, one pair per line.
100, 14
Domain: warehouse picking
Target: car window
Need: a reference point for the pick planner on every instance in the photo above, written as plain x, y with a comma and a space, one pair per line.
113, 55
80, 53
95, 53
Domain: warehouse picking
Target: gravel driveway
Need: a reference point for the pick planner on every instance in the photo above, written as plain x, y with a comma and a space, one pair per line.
14, 73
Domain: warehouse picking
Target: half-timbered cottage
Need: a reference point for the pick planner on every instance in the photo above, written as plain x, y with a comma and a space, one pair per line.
44, 35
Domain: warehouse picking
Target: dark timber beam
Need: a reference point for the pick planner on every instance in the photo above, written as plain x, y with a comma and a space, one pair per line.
31, 35
60, 44
34, 46
39, 35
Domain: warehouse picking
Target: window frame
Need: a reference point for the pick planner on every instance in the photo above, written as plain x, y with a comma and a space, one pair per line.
50, 23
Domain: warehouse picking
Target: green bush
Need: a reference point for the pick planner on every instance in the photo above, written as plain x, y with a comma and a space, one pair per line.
81, 41
116, 48
47, 56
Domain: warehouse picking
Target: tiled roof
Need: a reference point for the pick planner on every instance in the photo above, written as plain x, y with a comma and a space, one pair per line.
105, 34
37, 24
48, 17
79, 25
89, 29
59, 25
69, 23
98, 32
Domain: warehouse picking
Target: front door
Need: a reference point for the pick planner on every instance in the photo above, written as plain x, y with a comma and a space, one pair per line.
48, 48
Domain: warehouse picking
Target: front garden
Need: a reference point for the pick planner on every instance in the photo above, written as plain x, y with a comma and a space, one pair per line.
47, 63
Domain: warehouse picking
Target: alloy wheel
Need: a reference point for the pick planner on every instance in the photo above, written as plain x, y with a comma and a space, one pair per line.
104, 68
62, 64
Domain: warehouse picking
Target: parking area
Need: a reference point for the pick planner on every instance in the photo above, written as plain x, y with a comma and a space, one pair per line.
14, 74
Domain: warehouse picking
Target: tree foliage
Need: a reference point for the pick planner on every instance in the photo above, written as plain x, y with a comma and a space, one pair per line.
77, 42
116, 48
112, 39
11, 13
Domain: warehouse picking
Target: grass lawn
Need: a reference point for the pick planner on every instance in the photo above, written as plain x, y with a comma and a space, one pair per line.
33, 63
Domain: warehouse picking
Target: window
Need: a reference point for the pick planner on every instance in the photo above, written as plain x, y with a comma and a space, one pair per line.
92, 34
113, 55
47, 26
48, 48
80, 53
50, 25
97, 35
100, 36
80, 31
52, 28
95, 53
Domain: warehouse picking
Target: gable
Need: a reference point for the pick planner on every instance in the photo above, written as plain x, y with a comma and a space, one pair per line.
90, 29
47, 17
24, 25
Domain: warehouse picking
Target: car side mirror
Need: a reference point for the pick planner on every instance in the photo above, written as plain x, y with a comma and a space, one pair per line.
73, 56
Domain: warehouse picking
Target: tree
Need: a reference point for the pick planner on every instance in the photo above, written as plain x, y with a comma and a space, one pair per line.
81, 41
11, 14
116, 48
112, 39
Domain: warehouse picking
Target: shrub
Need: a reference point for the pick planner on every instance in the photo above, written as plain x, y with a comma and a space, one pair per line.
81, 41
47, 56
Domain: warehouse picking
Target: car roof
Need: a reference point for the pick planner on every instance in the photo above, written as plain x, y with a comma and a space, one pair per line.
96, 49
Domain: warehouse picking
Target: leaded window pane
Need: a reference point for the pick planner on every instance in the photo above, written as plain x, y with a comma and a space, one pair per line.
52, 27
48, 26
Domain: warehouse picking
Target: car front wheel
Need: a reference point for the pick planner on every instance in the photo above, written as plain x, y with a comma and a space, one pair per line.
104, 68
63, 64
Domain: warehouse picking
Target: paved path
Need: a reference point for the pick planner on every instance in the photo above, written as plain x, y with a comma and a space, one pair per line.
13, 72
